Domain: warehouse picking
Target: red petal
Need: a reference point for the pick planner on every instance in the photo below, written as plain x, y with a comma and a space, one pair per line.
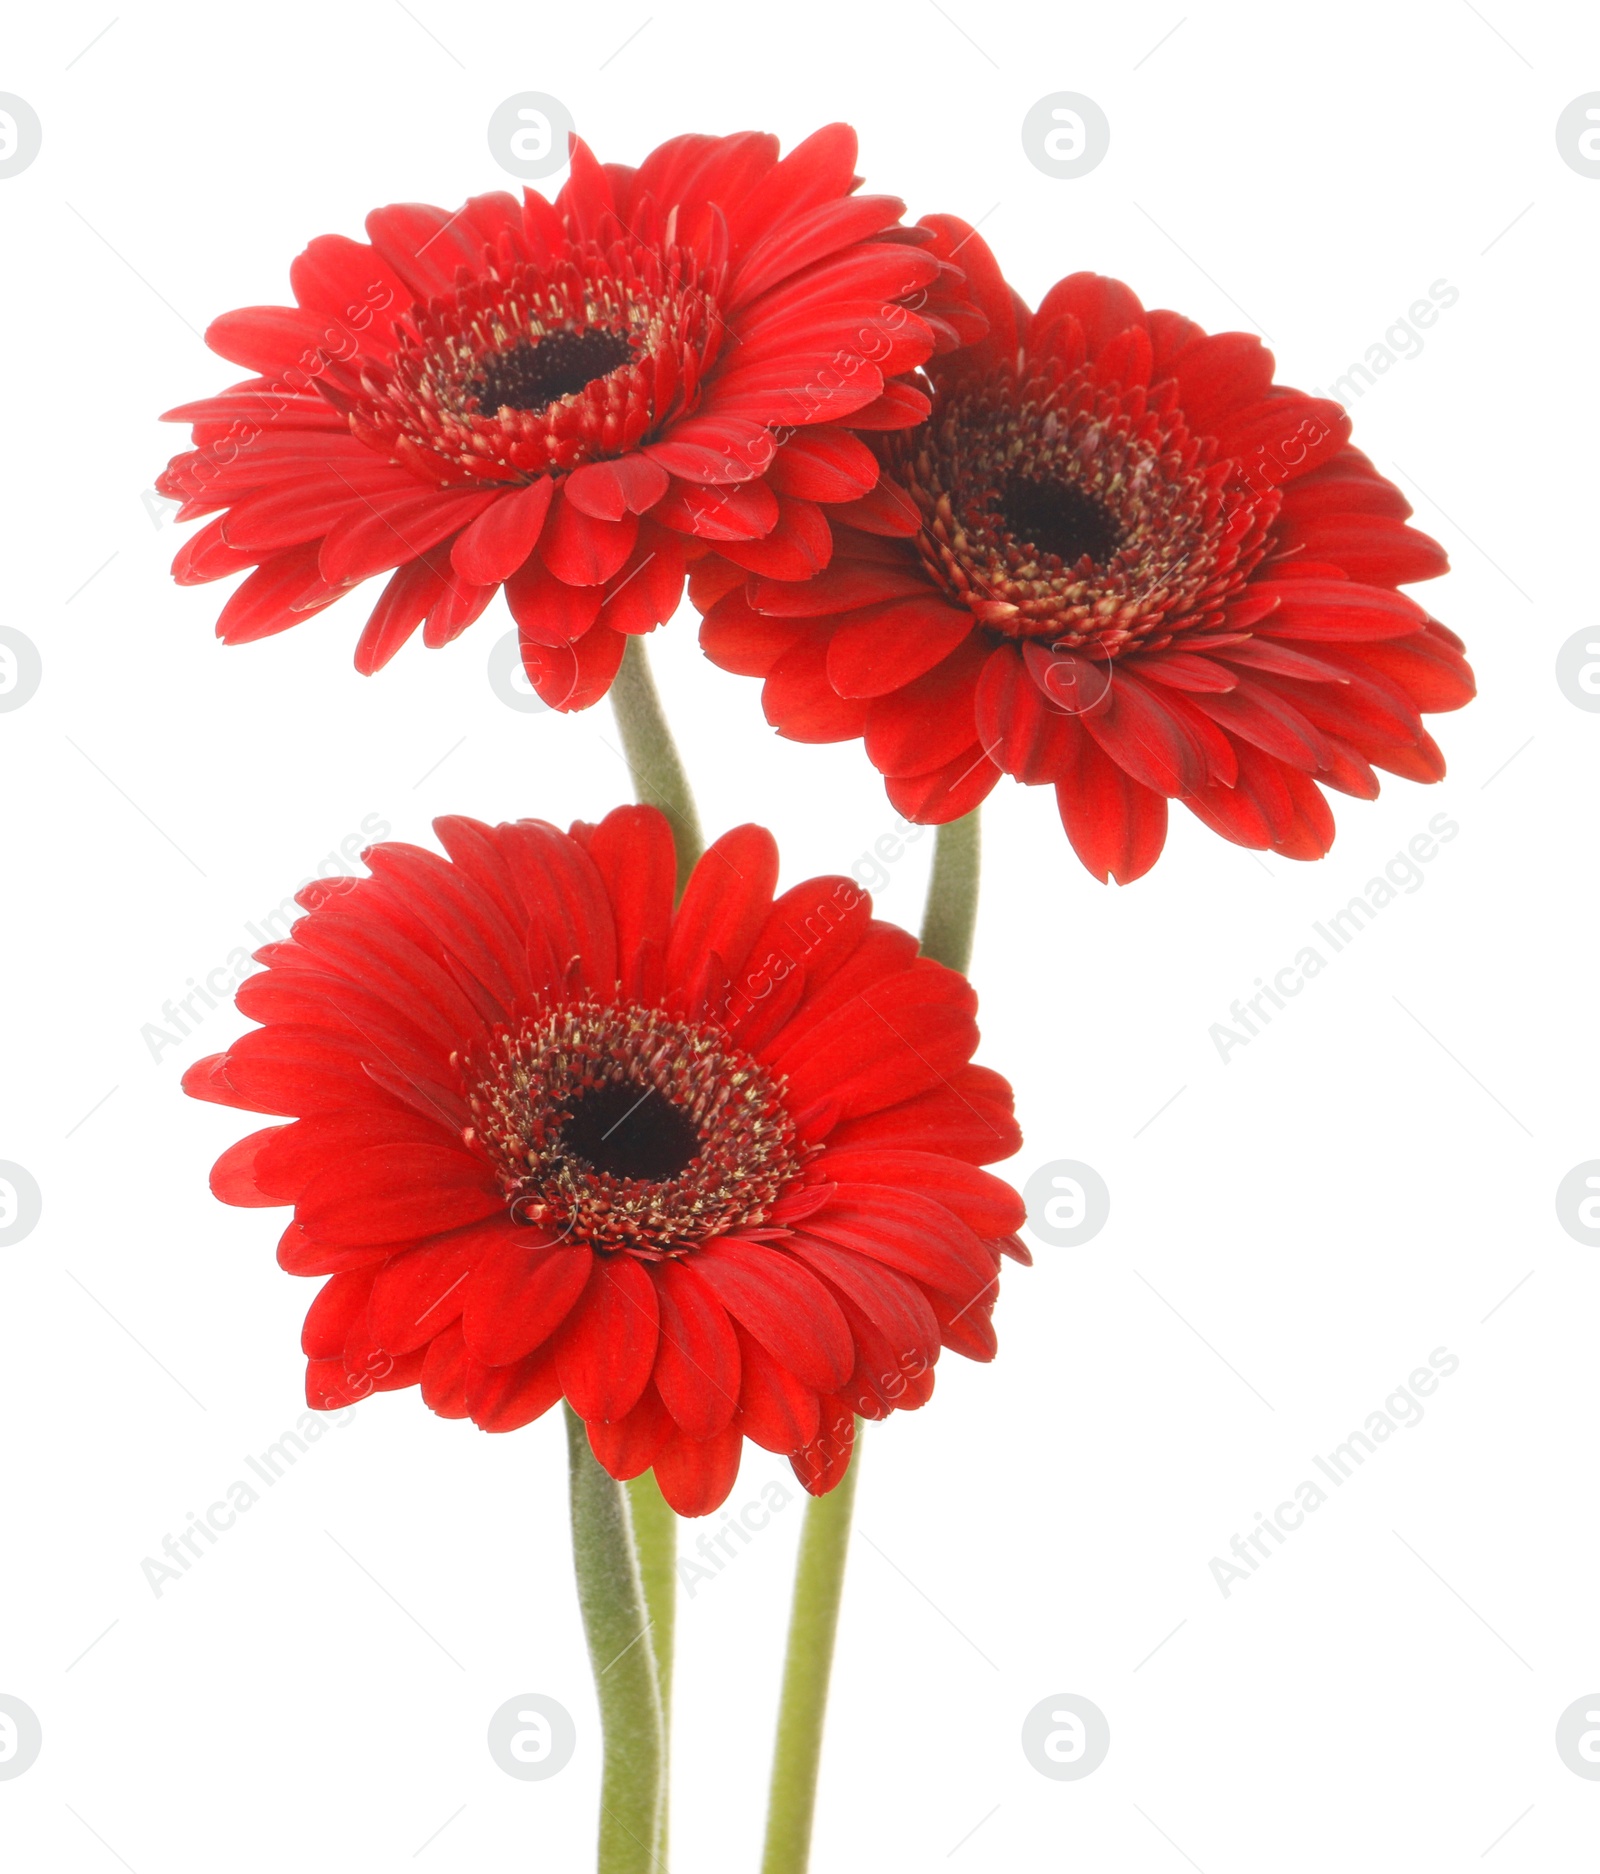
969, 1117
444, 1374
207, 1080
797, 546
346, 278
694, 1474
401, 607
1182, 670
233, 1176
492, 548
632, 848
746, 642
573, 676
909, 1232
884, 951
800, 702
1117, 827
646, 592
1334, 610
1258, 810
823, 463
1431, 672
822, 1464
886, 646
776, 1411
520, 1294
1372, 548
281, 592
723, 514
549, 610
505, 1398
947, 793
893, 1041
986, 1204
388, 530
1218, 374
331, 1384
628, 1448
892, 1302
417, 1295
782, 1306
296, 1071
901, 406
299, 1255
629, 484
608, 1344
820, 166
581, 550
1285, 435
1312, 832
802, 239
960, 242
458, 606
391, 1193
697, 1362
270, 340
725, 902
929, 722
965, 1326
844, 585
808, 934
716, 447
1020, 732
1146, 739
206, 556
1104, 308
1255, 714
333, 1316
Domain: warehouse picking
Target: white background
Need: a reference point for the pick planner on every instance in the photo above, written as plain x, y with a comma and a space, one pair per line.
1293, 1234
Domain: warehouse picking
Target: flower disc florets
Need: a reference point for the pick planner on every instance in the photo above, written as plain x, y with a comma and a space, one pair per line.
627, 1128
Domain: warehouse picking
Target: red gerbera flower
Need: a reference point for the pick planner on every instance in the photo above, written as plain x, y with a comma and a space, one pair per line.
1117, 559
554, 396
711, 1174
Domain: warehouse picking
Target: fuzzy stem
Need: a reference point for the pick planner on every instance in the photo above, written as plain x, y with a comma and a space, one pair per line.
951, 914
615, 1620
813, 1623
655, 1535
653, 760
948, 923
659, 779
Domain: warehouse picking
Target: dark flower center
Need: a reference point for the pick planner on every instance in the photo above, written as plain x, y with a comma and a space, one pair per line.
1085, 514
537, 367
529, 376
1058, 517
628, 1128
618, 1128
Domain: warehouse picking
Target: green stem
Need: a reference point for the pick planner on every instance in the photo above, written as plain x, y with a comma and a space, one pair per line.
659, 779
951, 914
632, 1779
947, 926
813, 1623
653, 760
655, 1535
